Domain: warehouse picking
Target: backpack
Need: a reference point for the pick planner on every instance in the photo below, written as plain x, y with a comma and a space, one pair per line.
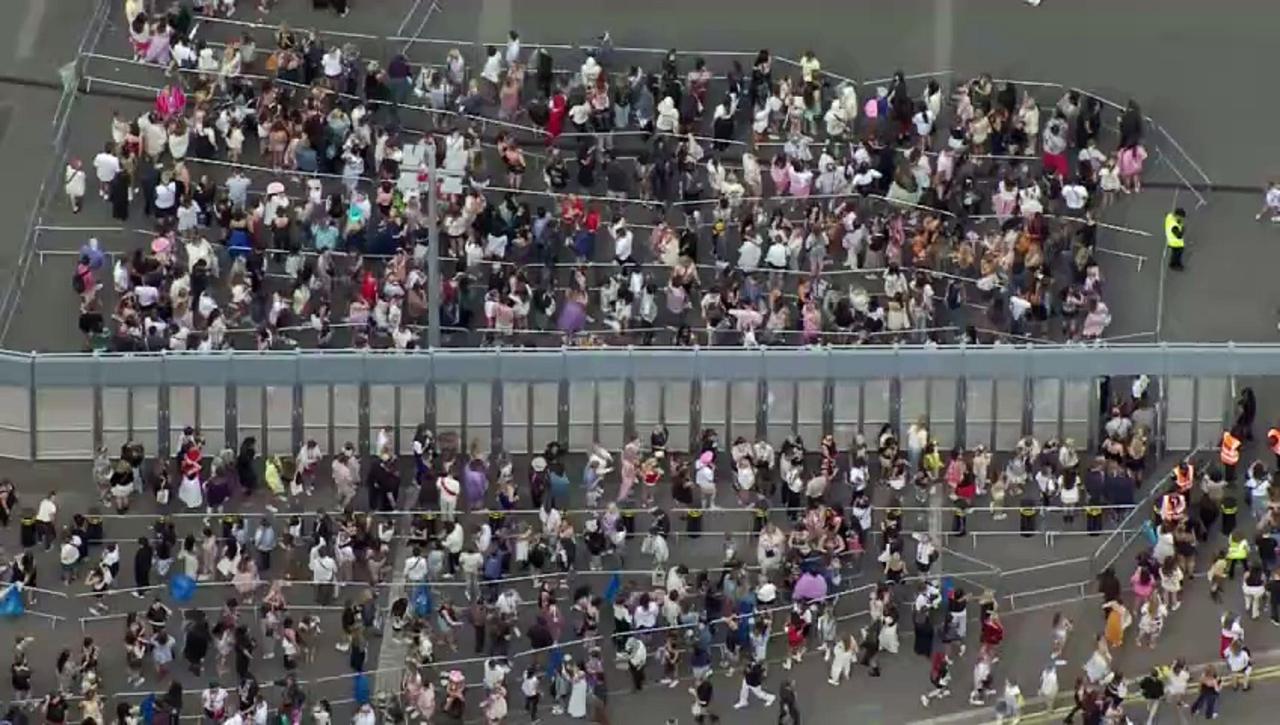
77, 282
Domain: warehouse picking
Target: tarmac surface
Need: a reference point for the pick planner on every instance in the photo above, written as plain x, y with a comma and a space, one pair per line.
1161, 52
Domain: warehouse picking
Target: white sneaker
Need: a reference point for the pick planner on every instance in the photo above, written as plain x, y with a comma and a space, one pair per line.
924, 700
739, 705
769, 702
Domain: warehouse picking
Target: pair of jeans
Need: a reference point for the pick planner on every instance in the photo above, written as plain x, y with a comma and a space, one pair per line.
1208, 699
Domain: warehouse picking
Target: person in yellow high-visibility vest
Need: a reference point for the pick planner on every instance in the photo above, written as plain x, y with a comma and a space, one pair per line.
1175, 236
1229, 454
1237, 553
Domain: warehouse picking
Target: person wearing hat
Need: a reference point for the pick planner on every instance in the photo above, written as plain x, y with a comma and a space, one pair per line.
766, 594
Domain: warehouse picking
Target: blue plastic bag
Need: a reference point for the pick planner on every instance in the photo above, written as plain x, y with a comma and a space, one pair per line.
148, 710
612, 588
11, 603
361, 691
182, 588
554, 662
1149, 532
421, 600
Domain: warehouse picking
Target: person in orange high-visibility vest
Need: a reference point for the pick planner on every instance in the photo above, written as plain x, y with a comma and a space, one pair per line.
1173, 508
1229, 454
1184, 476
1273, 442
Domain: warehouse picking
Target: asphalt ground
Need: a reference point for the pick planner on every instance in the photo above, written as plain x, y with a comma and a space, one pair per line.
1177, 65
1125, 269
976, 567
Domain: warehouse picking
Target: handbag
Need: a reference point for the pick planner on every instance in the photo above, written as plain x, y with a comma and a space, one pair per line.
162, 496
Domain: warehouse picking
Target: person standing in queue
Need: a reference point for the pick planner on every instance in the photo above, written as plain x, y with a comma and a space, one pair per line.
1175, 236
1229, 454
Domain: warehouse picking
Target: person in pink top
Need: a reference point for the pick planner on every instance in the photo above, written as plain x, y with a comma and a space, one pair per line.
780, 175
800, 179
1143, 583
627, 473
1130, 161
811, 319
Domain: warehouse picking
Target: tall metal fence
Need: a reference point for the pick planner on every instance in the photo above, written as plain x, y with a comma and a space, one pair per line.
61, 406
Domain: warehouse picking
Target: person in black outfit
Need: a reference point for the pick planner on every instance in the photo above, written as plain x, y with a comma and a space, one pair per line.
197, 642
20, 676
245, 470
788, 710
702, 693
118, 194
1273, 592
244, 652
142, 560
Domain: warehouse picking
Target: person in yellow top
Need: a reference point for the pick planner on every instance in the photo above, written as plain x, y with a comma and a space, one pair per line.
1175, 236
1237, 553
810, 67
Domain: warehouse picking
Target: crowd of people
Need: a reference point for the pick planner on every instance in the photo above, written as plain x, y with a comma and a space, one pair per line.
767, 205
475, 555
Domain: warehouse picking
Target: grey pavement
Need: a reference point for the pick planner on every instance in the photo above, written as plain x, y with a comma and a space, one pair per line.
1132, 290
891, 698
1196, 68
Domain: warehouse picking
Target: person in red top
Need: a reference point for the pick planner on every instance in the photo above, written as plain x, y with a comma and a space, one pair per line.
939, 677
967, 489
559, 106
369, 288
797, 628
992, 635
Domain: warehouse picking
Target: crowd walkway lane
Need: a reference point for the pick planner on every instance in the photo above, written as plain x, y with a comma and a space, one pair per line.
392, 650
1266, 669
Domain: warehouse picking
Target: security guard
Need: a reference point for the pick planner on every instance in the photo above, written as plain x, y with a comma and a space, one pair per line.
1237, 552
1173, 508
1229, 454
1273, 442
1184, 476
1229, 510
960, 518
1093, 516
1175, 236
1027, 517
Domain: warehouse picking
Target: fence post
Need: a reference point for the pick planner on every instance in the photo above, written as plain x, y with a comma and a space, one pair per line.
97, 403
231, 424
33, 419
496, 427
362, 416
298, 419
162, 418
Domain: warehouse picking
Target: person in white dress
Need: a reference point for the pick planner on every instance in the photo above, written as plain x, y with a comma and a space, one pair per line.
191, 490
577, 707
75, 185
889, 634
842, 659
